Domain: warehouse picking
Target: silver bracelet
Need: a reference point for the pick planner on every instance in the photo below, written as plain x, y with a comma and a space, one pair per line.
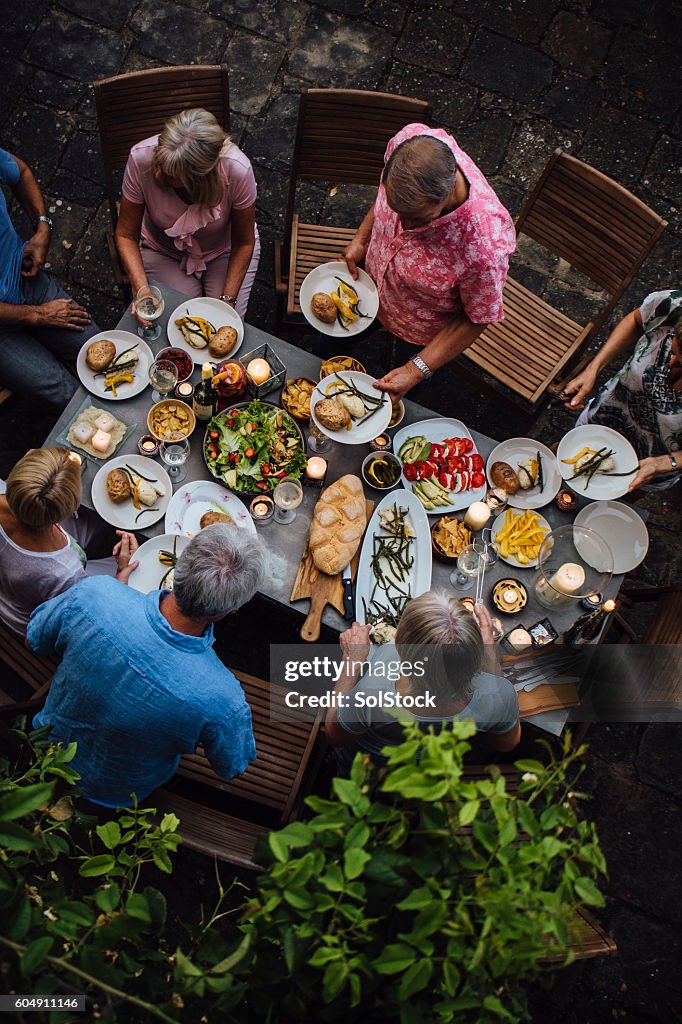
231, 299
421, 366
673, 461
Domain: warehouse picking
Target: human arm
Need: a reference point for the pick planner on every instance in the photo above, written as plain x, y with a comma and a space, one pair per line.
123, 552
46, 623
355, 648
56, 313
243, 241
621, 340
127, 237
356, 250
229, 744
491, 662
509, 737
657, 465
31, 199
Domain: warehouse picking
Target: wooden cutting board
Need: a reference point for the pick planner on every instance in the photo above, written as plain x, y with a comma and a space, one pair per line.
321, 589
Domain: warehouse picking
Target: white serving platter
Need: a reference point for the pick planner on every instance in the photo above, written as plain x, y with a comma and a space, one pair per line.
436, 430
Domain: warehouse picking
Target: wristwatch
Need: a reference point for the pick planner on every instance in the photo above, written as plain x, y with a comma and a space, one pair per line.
421, 366
232, 299
42, 220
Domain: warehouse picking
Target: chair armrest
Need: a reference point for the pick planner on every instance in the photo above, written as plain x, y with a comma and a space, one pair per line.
281, 283
120, 275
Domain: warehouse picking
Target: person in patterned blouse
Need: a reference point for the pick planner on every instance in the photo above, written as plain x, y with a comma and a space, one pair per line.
436, 242
642, 400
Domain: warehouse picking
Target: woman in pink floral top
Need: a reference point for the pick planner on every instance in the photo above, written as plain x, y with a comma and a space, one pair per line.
188, 212
436, 242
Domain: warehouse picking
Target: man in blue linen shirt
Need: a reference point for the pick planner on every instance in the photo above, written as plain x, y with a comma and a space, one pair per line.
139, 684
40, 326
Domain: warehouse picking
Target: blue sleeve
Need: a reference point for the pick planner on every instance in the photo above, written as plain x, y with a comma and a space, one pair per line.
229, 745
9, 168
47, 622
506, 712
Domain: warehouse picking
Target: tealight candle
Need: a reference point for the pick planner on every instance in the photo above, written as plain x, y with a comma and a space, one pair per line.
258, 370
148, 445
519, 639
477, 515
509, 596
381, 443
496, 499
262, 509
568, 578
566, 500
316, 468
185, 390
592, 601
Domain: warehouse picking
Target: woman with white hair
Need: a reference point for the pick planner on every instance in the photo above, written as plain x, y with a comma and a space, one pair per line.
188, 212
444, 667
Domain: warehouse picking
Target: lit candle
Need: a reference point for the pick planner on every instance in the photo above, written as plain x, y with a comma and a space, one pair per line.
566, 500
184, 390
496, 499
509, 596
258, 370
381, 443
477, 515
262, 509
316, 468
148, 445
568, 578
519, 639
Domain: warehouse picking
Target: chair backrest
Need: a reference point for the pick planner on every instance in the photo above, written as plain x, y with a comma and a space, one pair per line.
283, 752
134, 106
342, 134
591, 221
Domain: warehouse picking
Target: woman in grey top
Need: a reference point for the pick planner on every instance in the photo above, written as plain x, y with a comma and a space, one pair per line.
460, 677
42, 541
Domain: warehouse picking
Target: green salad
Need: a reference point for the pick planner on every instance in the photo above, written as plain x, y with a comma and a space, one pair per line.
252, 447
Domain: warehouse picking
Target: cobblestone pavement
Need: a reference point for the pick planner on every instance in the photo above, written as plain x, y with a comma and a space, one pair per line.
512, 79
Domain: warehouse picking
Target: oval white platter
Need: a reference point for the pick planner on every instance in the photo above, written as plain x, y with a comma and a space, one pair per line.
436, 430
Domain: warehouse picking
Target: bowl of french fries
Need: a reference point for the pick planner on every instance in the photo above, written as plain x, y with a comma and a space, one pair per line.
296, 395
519, 536
449, 536
170, 417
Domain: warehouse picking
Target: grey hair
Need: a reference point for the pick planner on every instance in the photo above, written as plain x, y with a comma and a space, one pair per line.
219, 571
189, 148
420, 170
437, 626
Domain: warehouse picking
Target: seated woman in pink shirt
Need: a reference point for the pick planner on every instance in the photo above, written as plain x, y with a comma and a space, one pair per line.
188, 212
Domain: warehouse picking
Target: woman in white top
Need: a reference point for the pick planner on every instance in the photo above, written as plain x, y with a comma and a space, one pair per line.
38, 557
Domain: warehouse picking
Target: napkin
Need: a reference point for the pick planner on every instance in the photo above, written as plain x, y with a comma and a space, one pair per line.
548, 697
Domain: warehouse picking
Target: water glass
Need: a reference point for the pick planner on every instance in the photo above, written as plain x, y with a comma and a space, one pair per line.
163, 376
148, 304
175, 452
287, 495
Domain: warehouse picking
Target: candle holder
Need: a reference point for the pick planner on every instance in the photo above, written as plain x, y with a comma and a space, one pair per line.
184, 391
517, 640
262, 509
382, 443
592, 602
316, 472
318, 443
148, 445
574, 562
509, 596
497, 499
543, 633
278, 371
566, 500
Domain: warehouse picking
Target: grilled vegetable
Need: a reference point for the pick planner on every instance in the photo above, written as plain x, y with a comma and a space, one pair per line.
196, 330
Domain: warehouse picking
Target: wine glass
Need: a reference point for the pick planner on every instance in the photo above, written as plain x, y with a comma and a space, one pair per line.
468, 560
175, 452
287, 496
149, 304
318, 443
163, 376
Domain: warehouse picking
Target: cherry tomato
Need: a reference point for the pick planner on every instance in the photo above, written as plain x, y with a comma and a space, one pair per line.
477, 479
214, 435
452, 463
233, 456
265, 470
468, 444
212, 452
262, 485
410, 471
254, 426
428, 471
230, 422
249, 453
419, 469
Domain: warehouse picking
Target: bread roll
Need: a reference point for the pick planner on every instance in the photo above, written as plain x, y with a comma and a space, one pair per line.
118, 485
99, 354
332, 414
222, 342
502, 475
209, 518
339, 521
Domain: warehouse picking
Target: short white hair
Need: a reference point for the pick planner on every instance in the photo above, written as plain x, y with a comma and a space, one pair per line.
220, 570
420, 170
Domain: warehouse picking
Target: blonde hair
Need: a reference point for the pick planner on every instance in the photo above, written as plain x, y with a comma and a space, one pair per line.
189, 148
44, 487
436, 626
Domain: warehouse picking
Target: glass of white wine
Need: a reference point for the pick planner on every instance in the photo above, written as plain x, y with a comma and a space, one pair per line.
148, 304
175, 452
163, 376
287, 496
468, 560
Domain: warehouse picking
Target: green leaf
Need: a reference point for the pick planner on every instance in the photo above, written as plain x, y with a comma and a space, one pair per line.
185, 968
415, 978
22, 801
137, 906
358, 835
468, 811
589, 892
323, 955
297, 834
333, 980
16, 837
107, 898
109, 833
493, 1004
333, 878
234, 958
156, 902
169, 823
394, 958
349, 793
451, 977
354, 862
35, 953
98, 865
528, 765
417, 900
279, 846
74, 912
162, 861
508, 832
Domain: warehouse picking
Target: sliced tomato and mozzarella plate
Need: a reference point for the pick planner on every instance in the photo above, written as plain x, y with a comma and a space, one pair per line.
444, 470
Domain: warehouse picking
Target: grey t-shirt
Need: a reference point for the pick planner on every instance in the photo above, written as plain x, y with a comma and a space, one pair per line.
493, 708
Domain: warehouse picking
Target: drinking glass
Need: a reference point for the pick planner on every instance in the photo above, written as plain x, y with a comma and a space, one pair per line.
163, 376
175, 452
318, 443
149, 304
462, 578
287, 495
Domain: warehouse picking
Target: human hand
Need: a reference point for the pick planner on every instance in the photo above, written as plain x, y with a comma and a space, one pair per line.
485, 623
123, 552
399, 381
355, 642
578, 390
354, 253
35, 253
648, 468
63, 313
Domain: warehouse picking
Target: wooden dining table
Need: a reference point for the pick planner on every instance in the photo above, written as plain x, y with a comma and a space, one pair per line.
286, 543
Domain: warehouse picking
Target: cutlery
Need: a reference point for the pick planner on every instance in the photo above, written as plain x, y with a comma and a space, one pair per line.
348, 603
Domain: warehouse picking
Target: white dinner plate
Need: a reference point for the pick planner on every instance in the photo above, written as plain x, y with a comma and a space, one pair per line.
218, 313
436, 430
150, 571
365, 430
518, 449
193, 499
419, 576
601, 486
324, 279
124, 515
512, 559
122, 341
621, 527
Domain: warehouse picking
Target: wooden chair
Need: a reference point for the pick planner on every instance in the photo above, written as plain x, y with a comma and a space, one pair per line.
601, 230
133, 106
341, 137
273, 787
32, 669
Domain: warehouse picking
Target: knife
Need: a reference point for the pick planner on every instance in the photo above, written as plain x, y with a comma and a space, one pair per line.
348, 603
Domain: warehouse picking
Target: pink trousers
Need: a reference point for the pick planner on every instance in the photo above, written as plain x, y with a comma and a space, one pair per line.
211, 282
